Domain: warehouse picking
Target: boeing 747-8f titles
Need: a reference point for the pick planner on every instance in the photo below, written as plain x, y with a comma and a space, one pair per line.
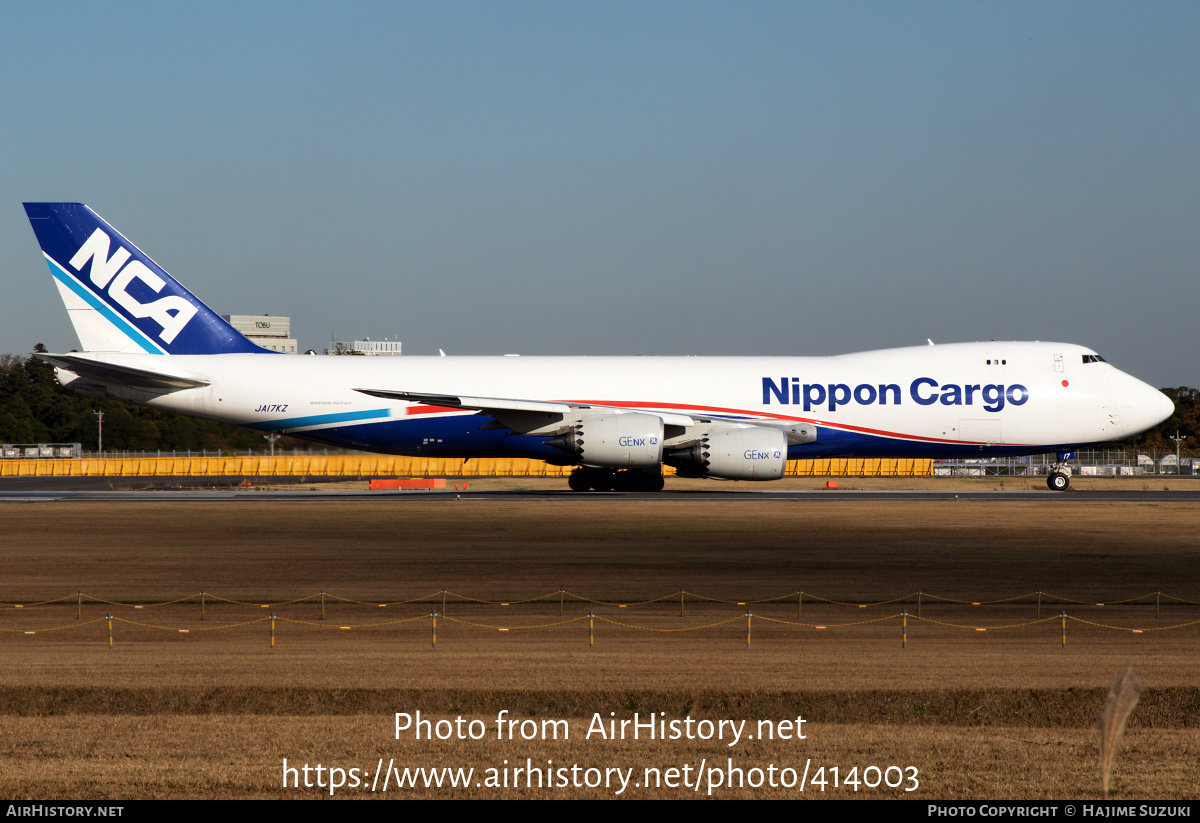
146, 339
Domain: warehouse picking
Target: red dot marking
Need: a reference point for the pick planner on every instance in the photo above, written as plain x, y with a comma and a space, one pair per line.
1066, 382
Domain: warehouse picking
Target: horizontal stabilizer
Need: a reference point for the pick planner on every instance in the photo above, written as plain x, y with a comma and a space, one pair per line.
122, 375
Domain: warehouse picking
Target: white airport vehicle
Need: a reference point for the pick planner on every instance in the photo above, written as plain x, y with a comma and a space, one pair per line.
146, 339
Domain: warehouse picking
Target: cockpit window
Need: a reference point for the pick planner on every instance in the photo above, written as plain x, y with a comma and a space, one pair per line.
1093, 358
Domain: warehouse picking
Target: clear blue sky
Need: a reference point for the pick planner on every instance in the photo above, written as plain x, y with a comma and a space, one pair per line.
627, 178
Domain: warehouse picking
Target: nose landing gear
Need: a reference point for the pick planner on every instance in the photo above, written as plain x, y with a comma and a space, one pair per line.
1057, 481
1060, 475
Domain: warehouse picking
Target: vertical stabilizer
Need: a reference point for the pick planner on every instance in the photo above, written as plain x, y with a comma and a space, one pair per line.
120, 300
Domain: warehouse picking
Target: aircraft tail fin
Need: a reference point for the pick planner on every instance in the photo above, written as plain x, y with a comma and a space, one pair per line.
120, 300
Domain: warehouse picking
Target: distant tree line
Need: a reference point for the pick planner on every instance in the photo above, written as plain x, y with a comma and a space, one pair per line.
34, 408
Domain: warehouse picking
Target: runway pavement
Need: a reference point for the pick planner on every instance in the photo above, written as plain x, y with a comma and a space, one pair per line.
848, 496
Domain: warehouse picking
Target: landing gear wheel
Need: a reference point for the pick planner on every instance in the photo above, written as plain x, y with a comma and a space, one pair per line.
579, 481
652, 483
639, 481
1058, 482
603, 481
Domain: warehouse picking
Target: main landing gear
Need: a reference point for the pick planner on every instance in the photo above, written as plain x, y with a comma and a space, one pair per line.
607, 480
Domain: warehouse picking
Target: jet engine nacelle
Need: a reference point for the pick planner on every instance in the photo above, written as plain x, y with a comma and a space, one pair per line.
755, 453
619, 441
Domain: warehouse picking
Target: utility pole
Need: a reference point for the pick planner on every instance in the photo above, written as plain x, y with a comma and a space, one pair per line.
272, 437
1178, 440
100, 426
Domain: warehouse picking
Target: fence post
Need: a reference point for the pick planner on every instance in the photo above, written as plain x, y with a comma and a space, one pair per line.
748, 616
1063, 615
681, 602
109, 629
1039, 615
443, 601
272, 630
561, 594
434, 616
322, 604
79, 606
918, 602
201, 605
799, 603
904, 628
591, 629
1156, 596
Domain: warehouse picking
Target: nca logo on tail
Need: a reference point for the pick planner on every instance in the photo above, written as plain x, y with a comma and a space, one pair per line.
172, 313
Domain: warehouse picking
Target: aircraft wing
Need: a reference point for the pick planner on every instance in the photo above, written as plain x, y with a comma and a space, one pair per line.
122, 375
498, 406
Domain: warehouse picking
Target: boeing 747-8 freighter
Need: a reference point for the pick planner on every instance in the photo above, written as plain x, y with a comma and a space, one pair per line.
146, 339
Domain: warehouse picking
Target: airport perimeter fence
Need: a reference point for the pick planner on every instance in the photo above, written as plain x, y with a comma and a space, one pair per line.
1084, 463
440, 602
68, 460
373, 465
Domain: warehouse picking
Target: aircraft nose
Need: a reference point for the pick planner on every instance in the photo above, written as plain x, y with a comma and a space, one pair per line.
1164, 407
1142, 406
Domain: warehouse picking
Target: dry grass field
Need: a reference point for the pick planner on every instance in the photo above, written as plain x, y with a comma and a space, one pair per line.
1005, 713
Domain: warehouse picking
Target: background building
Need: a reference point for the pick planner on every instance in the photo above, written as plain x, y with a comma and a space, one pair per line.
367, 346
270, 332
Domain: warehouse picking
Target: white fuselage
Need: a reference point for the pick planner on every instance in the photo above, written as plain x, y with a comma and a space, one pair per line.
932, 401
